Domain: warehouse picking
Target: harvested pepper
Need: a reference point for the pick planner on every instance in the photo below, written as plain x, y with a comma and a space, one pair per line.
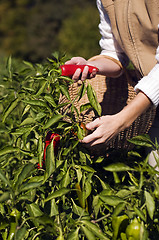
69, 69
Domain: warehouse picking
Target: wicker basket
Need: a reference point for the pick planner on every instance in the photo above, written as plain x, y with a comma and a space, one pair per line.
113, 94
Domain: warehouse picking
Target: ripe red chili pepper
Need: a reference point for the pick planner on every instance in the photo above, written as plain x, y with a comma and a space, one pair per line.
56, 142
43, 164
69, 69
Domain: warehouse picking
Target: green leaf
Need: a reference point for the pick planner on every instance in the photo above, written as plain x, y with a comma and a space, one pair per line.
53, 120
54, 208
66, 179
24, 173
45, 220
4, 225
38, 103
29, 186
82, 91
11, 107
26, 109
74, 235
65, 91
93, 99
150, 204
39, 116
28, 121
94, 229
4, 178
87, 168
140, 213
41, 90
34, 210
50, 100
4, 197
118, 209
21, 131
79, 211
9, 66
50, 161
20, 234
36, 179
30, 65
117, 167
142, 140
88, 189
85, 107
8, 150
88, 233
59, 193
111, 200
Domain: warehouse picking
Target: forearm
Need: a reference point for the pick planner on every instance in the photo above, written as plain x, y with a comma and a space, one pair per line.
133, 110
106, 66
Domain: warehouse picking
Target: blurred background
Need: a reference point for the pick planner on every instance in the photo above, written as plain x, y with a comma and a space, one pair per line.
33, 29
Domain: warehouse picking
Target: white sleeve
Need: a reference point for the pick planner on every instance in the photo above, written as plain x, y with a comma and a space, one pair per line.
150, 83
108, 43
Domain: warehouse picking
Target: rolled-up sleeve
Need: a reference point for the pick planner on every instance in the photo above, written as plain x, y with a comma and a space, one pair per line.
150, 83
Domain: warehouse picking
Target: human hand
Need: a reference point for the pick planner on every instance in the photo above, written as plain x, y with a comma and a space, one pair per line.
105, 128
79, 74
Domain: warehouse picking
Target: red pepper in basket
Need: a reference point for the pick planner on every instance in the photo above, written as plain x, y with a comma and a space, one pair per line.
69, 69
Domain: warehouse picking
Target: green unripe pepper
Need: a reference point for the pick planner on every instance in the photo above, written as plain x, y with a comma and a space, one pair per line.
14, 216
133, 230
119, 224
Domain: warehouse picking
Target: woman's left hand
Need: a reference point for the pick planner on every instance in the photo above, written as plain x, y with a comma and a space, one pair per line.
105, 128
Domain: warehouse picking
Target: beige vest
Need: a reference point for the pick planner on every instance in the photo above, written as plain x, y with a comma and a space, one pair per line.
135, 26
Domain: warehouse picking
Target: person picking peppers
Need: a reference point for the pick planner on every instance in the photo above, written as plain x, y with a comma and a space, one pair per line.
129, 32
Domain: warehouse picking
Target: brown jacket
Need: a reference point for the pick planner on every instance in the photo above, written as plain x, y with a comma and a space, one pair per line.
135, 26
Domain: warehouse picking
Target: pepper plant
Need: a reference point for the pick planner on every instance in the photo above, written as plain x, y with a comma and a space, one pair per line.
51, 186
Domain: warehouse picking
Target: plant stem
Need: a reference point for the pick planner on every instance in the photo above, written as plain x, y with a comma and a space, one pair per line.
100, 219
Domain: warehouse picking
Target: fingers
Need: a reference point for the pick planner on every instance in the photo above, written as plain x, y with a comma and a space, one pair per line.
93, 74
92, 138
77, 61
104, 130
85, 73
76, 75
94, 124
97, 136
81, 75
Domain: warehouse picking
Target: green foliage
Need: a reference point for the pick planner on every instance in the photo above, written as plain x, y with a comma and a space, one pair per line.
30, 29
75, 195
79, 34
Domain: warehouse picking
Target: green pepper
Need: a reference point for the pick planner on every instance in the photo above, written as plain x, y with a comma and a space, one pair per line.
60, 237
133, 230
80, 195
14, 217
119, 224
12, 230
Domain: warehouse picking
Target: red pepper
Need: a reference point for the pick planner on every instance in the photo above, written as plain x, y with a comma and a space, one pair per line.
56, 142
38, 165
69, 69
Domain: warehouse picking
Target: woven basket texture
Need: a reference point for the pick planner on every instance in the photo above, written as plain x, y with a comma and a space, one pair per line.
114, 94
